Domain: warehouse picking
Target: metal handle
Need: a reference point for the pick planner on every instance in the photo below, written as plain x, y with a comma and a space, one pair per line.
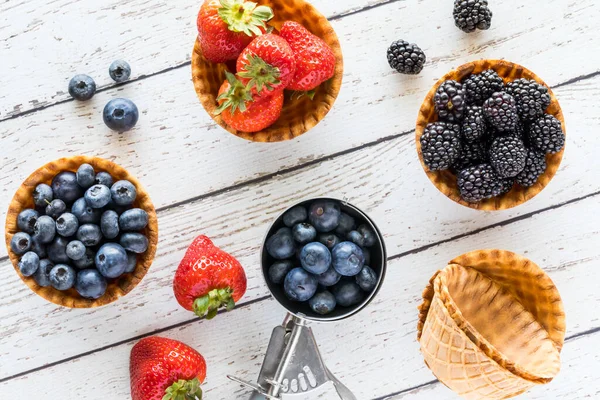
343, 391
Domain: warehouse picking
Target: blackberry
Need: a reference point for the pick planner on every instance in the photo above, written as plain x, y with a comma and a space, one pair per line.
406, 58
474, 126
546, 134
479, 87
508, 155
449, 101
504, 186
471, 154
535, 166
477, 183
531, 97
440, 145
501, 111
470, 15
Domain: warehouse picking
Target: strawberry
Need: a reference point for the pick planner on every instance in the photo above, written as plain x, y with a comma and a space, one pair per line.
208, 278
226, 27
267, 63
165, 369
315, 61
240, 111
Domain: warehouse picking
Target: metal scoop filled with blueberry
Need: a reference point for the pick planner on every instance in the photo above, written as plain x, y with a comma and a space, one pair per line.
323, 260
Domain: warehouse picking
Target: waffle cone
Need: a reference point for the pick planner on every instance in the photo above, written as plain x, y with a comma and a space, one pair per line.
445, 180
116, 287
298, 115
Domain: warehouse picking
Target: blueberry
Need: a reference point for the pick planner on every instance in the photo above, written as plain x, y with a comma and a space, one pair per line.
62, 277
131, 262
356, 238
304, 233
299, 285
134, 242
279, 270
120, 115
347, 293
65, 187
109, 224
103, 178
57, 250
44, 229
135, 219
294, 216
29, 263
281, 245
41, 276
82, 87
322, 303
97, 196
119, 71
56, 208
329, 239
67, 225
369, 236
26, 220
90, 284
324, 215
346, 224
75, 250
42, 195
87, 260
89, 234
38, 248
123, 193
111, 260
85, 213
86, 176
329, 277
20, 243
315, 258
366, 279
348, 258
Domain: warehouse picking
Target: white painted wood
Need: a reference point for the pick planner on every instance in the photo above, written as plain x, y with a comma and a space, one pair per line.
375, 353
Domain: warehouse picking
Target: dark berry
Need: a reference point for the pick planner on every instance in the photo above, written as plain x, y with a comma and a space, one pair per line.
505, 185
109, 224
87, 261
480, 87
56, 208
356, 237
29, 263
532, 98
367, 279
315, 258
67, 225
62, 277
470, 15
90, 284
103, 178
449, 101
86, 176
477, 183
535, 166
123, 193
44, 229
304, 233
324, 215
347, 293
131, 262
322, 303
82, 87
281, 245
119, 71
329, 277
345, 225
75, 250
20, 243
57, 250
501, 111
329, 239
440, 145
546, 134
507, 156
85, 213
111, 260
97, 196
406, 58
42, 195
38, 248
474, 127
121, 115
89, 234
42, 275
294, 216
65, 187
135, 219
27, 219
279, 270
347, 258
369, 236
299, 285
471, 154
134, 242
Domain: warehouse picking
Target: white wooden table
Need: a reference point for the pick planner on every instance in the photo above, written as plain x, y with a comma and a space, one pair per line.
204, 180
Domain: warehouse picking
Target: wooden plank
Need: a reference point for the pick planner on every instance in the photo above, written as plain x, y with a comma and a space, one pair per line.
381, 339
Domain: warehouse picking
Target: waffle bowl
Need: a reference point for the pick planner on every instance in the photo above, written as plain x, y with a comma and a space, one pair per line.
445, 180
116, 287
298, 114
491, 325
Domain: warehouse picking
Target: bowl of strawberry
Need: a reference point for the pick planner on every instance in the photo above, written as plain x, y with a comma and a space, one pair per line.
266, 72
323, 259
81, 232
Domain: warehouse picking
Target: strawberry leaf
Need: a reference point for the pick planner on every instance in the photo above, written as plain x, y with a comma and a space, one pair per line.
245, 16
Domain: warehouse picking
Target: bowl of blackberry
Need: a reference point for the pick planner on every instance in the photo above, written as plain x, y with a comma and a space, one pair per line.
490, 135
323, 259
81, 232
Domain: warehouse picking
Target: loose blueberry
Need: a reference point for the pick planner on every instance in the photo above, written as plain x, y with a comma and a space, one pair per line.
111, 260
356, 238
26, 220
329, 239
56, 208
347, 293
104, 178
82, 87
369, 236
42, 275
119, 71
86, 176
97, 196
366, 279
134, 242
322, 303
304, 233
75, 250
89, 234
279, 270
135, 219
87, 260
294, 216
315, 258
62, 277
44, 229
348, 258
329, 277
299, 285
65, 187
324, 215
67, 225
123, 193
38, 248
42, 195
85, 213
109, 224
20, 243
90, 284
29, 263
281, 245
120, 115
131, 262
346, 224
57, 250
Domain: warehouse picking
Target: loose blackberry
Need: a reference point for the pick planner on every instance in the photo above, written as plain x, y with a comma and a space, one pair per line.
478, 183
471, 154
531, 97
406, 58
501, 111
479, 87
474, 126
535, 166
546, 134
508, 155
470, 15
440, 145
449, 101
504, 186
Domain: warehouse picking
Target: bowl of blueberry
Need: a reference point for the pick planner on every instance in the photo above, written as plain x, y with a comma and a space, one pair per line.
323, 259
490, 135
81, 232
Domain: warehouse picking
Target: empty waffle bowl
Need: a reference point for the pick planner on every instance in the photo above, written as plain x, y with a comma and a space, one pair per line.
299, 114
491, 325
116, 287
